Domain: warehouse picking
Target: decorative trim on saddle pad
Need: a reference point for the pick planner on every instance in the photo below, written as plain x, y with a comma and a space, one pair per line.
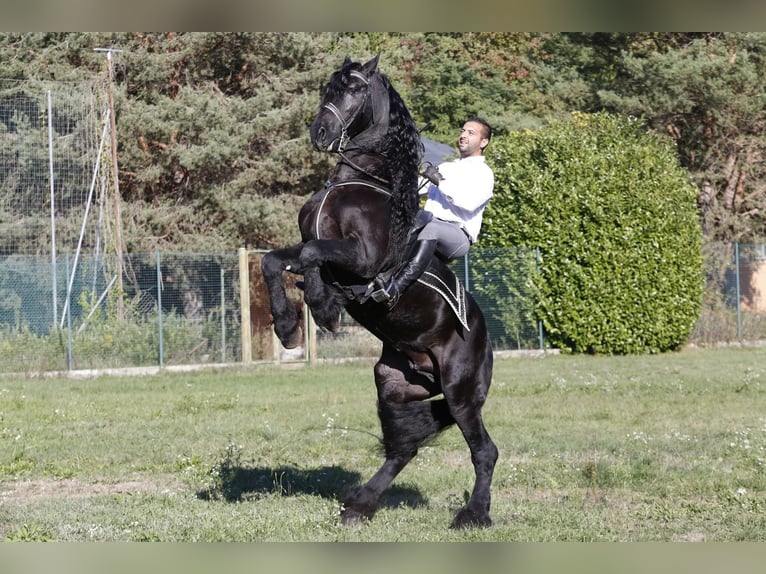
453, 295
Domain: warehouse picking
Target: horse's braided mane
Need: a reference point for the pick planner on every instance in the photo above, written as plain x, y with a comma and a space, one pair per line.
403, 151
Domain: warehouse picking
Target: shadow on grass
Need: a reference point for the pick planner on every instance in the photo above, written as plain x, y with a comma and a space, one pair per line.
239, 483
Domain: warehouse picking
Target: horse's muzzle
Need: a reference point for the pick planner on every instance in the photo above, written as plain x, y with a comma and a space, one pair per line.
321, 140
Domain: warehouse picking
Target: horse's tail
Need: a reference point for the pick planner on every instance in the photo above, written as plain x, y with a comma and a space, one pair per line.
407, 425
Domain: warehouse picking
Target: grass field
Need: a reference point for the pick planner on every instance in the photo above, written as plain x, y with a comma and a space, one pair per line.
648, 448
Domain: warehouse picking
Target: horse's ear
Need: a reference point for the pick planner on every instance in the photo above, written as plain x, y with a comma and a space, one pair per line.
369, 67
346, 62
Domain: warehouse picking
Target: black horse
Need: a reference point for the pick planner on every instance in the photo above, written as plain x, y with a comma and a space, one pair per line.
357, 228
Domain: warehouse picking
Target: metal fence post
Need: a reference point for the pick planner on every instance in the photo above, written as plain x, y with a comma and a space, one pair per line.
539, 321
467, 279
223, 313
68, 312
739, 302
53, 210
159, 306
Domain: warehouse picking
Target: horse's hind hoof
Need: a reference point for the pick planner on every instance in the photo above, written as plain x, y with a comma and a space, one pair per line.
468, 519
350, 517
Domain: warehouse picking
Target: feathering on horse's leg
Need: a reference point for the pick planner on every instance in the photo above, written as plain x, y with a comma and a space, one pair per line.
484, 455
405, 427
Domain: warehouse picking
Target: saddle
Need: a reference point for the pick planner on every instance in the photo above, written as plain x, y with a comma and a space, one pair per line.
436, 277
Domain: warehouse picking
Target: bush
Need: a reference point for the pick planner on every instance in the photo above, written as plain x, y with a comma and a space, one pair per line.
614, 217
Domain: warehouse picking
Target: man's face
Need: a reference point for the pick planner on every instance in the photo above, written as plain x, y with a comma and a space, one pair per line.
471, 141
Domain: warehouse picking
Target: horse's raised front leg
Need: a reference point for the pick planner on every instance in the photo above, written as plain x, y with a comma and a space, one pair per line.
321, 299
348, 254
287, 321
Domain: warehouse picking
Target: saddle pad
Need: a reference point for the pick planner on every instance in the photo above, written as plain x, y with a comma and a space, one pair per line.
450, 288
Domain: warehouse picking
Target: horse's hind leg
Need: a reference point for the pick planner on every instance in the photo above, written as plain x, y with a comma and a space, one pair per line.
483, 456
405, 427
287, 324
466, 399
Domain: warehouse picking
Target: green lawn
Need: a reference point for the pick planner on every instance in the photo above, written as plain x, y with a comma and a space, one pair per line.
639, 448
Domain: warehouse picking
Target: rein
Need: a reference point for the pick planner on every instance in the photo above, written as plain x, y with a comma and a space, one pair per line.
360, 169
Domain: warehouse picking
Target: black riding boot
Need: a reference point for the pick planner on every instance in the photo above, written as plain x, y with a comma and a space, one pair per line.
424, 251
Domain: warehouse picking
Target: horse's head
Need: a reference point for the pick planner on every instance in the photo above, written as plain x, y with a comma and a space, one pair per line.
348, 105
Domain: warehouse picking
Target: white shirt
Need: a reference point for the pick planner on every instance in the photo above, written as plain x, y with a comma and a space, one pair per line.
463, 193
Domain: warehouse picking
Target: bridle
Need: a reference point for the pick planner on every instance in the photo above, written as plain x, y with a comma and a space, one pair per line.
345, 124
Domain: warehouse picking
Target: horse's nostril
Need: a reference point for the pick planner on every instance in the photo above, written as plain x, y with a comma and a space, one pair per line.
320, 134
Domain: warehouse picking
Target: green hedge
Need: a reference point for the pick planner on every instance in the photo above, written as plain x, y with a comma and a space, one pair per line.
614, 217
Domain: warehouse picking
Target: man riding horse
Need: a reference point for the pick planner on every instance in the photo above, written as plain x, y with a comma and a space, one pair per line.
458, 192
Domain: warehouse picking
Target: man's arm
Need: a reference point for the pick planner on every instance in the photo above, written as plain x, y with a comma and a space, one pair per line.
468, 189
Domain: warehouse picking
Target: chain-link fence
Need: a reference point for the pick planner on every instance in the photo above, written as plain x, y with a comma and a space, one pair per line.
734, 304
50, 177
186, 309
175, 309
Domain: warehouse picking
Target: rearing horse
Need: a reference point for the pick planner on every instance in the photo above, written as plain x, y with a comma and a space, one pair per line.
357, 228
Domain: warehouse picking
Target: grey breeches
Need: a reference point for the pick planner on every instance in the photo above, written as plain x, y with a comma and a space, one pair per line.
453, 241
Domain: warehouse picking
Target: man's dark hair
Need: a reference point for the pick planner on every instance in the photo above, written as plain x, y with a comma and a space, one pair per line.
483, 122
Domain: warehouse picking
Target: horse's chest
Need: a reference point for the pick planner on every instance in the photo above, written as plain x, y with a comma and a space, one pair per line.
311, 220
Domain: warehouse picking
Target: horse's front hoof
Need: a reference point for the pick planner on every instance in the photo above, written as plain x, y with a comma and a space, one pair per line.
329, 322
469, 519
292, 339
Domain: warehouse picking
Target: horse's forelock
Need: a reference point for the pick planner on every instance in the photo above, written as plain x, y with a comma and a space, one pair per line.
334, 87
339, 80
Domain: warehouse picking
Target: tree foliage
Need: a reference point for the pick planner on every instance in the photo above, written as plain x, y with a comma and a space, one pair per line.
215, 141
708, 92
213, 151
614, 218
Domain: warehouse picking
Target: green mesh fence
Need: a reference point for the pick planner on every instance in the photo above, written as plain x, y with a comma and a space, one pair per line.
184, 308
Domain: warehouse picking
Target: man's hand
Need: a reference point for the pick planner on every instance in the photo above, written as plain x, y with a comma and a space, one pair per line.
431, 173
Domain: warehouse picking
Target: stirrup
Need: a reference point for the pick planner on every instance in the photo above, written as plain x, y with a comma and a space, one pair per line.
381, 295
377, 289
